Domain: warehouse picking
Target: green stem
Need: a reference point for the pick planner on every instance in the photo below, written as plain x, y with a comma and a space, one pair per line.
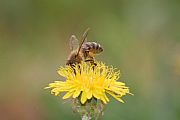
97, 116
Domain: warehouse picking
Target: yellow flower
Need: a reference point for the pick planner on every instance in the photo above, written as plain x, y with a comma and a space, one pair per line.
89, 81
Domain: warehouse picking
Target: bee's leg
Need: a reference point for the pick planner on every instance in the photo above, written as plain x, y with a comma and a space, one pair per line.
79, 68
72, 65
91, 61
94, 64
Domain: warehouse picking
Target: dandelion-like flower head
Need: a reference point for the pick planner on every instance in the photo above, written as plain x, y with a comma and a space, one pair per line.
88, 81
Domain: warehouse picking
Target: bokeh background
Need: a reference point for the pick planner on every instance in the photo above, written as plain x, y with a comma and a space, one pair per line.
140, 37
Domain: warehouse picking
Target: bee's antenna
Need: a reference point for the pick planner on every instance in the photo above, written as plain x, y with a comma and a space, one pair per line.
83, 39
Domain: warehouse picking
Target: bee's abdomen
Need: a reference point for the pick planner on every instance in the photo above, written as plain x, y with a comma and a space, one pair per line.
92, 46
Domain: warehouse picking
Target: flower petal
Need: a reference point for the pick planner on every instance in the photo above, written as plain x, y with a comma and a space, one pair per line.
96, 94
67, 95
103, 99
89, 94
115, 96
83, 98
76, 93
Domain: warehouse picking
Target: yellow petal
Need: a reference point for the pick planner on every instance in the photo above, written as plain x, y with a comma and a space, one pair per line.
83, 98
103, 99
106, 97
120, 100
120, 83
115, 96
67, 95
47, 87
89, 94
76, 93
96, 94
56, 93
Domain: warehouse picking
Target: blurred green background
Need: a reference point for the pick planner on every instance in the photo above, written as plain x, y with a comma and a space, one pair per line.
140, 37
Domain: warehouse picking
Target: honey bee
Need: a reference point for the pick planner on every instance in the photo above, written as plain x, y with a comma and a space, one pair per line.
84, 52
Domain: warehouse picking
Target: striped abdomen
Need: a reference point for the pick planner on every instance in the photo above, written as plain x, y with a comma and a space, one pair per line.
91, 47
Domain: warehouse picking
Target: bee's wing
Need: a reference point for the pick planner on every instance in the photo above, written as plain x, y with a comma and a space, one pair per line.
73, 43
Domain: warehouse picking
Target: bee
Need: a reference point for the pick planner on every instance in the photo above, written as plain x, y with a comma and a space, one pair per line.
85, 50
